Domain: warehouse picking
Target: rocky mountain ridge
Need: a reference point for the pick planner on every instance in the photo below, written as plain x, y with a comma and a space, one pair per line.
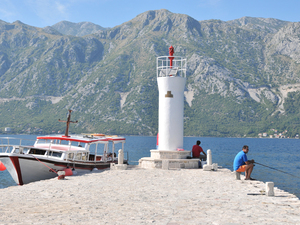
77, 29
240, 74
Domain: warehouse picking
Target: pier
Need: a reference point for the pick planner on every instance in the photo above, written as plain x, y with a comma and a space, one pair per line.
148, 196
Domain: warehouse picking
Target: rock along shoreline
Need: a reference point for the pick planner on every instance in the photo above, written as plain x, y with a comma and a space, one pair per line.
148, 196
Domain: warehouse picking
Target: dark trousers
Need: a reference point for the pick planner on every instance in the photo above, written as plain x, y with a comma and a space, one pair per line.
202, 157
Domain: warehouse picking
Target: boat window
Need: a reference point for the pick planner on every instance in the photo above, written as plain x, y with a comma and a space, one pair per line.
91, 157
64, 142
98, 148
75, 143
42, 141
92, 148
37, 152
56, 154
25, 150
71, 156
84, 156
78, 156
16, 150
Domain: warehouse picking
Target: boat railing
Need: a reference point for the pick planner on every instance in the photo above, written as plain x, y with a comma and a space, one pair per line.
7, 144
106, 157
6, 148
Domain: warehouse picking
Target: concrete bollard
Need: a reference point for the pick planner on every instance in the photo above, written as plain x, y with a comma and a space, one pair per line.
120, 157
215, 166
112, 166
209, 158
270, 188
237, 175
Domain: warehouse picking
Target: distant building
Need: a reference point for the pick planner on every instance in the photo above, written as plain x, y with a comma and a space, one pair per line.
7, 129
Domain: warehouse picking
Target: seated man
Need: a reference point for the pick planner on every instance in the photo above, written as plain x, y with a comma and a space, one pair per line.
242, 164
196, 151
109, 157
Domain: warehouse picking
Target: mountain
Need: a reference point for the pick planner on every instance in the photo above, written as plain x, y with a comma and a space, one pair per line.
242, 76
77, 29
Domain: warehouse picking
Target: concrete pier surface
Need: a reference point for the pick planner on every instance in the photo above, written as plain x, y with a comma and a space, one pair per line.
148, 196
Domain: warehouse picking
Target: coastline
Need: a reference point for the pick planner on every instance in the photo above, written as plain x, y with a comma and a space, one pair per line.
141, 196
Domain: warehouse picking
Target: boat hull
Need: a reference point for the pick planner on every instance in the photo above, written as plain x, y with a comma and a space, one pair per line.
25, 168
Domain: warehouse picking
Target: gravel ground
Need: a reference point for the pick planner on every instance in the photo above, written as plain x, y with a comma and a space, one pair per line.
141, 196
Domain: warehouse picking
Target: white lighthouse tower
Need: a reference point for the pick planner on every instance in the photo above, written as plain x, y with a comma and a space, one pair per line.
171, 79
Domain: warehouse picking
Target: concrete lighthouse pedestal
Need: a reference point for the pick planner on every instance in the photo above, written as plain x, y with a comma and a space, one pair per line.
171, 79
168, 160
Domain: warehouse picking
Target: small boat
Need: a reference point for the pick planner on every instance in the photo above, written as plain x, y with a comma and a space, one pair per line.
51, 154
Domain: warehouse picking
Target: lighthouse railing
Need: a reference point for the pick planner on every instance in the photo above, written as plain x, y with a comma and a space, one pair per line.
165, 69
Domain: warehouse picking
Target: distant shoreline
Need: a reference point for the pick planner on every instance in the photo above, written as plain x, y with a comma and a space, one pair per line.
3, 134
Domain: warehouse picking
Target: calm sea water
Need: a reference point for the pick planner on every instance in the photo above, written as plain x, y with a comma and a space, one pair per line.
281, 154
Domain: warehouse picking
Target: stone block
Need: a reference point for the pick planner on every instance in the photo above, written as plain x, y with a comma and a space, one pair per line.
163, 154
215, 166
270, 188
150, 163
165, 164
237, 175
121, 167
114, 166
207, 167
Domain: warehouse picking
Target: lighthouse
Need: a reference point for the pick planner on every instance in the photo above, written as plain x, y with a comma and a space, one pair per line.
171, 79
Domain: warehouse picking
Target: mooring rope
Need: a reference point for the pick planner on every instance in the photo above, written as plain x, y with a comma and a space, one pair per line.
44, 163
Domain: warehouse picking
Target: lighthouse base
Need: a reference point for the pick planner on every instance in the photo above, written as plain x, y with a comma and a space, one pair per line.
168, 160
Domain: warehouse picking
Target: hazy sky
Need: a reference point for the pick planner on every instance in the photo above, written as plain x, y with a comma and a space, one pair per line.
110, 13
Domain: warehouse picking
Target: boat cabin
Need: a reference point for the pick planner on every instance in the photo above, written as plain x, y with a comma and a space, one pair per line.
72, 148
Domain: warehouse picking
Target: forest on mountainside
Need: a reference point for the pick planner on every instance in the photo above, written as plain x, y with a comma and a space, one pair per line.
242, 75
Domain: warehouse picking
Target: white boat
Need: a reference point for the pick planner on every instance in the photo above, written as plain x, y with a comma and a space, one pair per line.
50, 154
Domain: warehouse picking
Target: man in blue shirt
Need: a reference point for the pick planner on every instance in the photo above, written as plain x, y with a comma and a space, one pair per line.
242, 164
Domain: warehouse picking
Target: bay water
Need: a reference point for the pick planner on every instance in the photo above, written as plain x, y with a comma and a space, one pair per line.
282, 155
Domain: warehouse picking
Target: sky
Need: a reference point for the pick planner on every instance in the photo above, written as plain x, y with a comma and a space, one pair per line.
111, 13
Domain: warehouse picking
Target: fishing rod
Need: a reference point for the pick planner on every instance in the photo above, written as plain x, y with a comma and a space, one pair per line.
276, 169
